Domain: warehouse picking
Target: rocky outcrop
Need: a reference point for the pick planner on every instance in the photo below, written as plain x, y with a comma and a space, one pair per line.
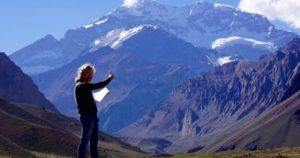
210, 103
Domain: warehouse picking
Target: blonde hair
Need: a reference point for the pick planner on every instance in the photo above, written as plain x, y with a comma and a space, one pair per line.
84, 71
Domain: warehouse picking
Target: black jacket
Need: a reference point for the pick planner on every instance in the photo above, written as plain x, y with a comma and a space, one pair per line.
83, 95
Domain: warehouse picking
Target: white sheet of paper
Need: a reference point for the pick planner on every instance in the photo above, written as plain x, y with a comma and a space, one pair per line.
98, 96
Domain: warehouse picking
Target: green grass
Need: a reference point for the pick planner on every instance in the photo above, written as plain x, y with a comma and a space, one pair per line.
278, 153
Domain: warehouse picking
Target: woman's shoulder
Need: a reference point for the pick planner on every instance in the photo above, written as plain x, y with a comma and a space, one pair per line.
80, 84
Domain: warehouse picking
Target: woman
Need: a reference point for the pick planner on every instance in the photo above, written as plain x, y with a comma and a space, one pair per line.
87, 108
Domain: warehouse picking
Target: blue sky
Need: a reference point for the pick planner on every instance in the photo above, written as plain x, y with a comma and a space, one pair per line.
25, 21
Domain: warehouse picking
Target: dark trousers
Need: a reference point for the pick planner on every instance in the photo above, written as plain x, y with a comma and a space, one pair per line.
89, 134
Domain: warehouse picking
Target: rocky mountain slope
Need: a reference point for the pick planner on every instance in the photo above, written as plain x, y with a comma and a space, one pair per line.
277, 127
203, 108
18, 87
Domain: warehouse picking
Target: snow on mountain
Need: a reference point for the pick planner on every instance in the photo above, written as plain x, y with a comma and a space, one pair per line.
146, 8
115, 38
218, 59
248, 49
225, 59
125, 35
132, 3
223, 5
201, 24
99, 22
231, 41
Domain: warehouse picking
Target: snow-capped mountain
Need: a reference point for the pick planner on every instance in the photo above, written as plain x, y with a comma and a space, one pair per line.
115, 38
244, 48
231, 41
226, 59
201, 24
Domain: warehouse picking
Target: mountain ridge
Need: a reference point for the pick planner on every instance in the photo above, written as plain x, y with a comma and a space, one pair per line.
202, 19
204, 106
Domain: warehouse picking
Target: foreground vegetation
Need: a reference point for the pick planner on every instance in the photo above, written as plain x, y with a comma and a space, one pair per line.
278, 153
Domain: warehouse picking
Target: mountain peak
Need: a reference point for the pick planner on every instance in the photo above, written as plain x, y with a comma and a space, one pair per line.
2, 54
136, 3
140, 8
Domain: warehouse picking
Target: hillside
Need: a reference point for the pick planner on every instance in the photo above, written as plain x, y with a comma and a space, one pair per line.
8, 148
29, 128
279, 127
16, 86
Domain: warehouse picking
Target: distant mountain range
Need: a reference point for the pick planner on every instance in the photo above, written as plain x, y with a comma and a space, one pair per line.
207, 107
200, 24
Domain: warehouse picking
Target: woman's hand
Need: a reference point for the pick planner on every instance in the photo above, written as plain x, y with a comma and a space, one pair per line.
111, 76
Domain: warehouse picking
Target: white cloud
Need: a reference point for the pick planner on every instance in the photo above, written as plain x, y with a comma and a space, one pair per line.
130, 3
285, 10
